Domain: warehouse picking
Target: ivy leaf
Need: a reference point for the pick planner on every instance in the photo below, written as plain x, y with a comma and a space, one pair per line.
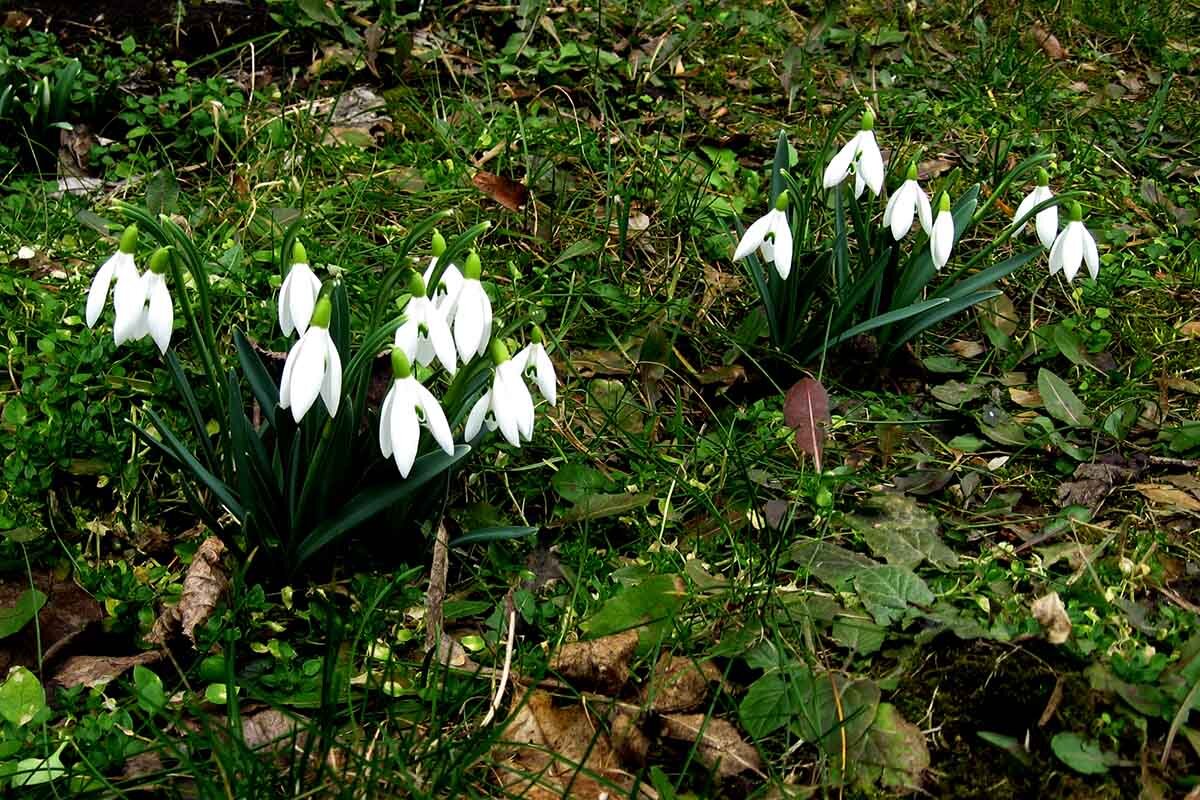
903, 533
888, 590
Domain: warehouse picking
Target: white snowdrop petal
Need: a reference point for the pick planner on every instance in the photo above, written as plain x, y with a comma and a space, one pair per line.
385, 423
160, 316
1072, 252
308, 373
870, 162
1091, 255
782, 244
839, 165
435, 420
476, 416
753, 238
98, 292
331, 385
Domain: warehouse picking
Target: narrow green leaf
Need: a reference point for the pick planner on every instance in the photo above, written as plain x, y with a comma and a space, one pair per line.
493, 535
375, 500
195, 416
934, 316
261, 385
171, 446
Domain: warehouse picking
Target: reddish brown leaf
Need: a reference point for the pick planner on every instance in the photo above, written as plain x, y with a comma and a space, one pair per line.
505, 191
94, 671
806, 410
1048, 42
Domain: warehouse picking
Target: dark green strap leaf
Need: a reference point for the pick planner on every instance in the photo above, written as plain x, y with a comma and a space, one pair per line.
493, 534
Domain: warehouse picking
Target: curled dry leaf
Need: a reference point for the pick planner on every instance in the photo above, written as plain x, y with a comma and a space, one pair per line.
721, 747
964, 348
270, 728
203, 586
92, 671
505, 191
679, 684
601, 664
1171, 499
1048, 42
1051, 614
68, 610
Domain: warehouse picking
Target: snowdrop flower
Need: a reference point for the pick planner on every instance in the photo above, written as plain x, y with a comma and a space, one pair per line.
861, 153
507, 405
472, 313
313, 367
1074, 244
908, 201
450, 282
407, 407
771, 235
941, 239
298, 295
1046, 221
143, 304
536, 365
425, 332
120, 264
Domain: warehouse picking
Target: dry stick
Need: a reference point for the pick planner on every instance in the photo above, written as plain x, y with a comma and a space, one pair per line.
436, 598
508, 652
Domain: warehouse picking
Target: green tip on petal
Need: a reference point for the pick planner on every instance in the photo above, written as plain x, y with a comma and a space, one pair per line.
160, 260
322, 312
439, 244
1075, 212
129, 240
473, 268
416, 284
943, 203
497, 351
1043, 177
911, 174
400, 366
299, 254
781, 202
868, 120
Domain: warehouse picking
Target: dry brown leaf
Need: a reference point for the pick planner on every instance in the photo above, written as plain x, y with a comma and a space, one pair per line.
721, 746
1048, 42
965, 348
934, 167
203, 586
601, 664
270, 727
505, 191
1000, 312
92, 671
589, 363
1026, 398
734, 373
629, 741
144, 763
679, 684
1190, 329
1174, 499
550, 749
1051, 614
67, 612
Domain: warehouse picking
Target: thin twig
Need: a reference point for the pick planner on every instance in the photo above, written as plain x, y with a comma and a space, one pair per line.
508, 653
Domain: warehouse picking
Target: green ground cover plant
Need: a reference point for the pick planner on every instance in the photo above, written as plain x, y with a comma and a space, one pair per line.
911, 511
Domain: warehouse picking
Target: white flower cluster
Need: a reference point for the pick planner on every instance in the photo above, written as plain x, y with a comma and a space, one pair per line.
453, 326
772, 236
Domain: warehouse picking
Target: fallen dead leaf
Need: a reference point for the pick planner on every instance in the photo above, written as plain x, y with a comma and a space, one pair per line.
1048, 42
601, 664
679, 684
1051, 614
964, 348
1000, 312
93, 671
1190, 329
505, 191
1176, 500
270, 727
1026, 398
720, 745
203, 586
67, 612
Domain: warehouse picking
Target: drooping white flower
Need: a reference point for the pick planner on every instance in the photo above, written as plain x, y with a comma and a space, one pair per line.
1046, 221
941, 238
771, 235
425, 333
143, 304
450, 281
472, 313
298, 295
120, 264
1074, 244
908, 201
507, 405
313, 367
862, 154
536, 365
407, 406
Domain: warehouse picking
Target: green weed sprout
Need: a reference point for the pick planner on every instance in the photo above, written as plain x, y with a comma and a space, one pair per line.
836, 278
287, 477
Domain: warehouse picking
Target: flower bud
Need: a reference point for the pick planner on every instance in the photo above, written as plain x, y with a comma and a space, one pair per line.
473, 268
536, 335
498, 351
129, 239
868, 120
416, 284
781, 202
322, 313
943, 202
439, 244
299, 254
160, 260
911, 175
400, 366
1043, 177
1075, 212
